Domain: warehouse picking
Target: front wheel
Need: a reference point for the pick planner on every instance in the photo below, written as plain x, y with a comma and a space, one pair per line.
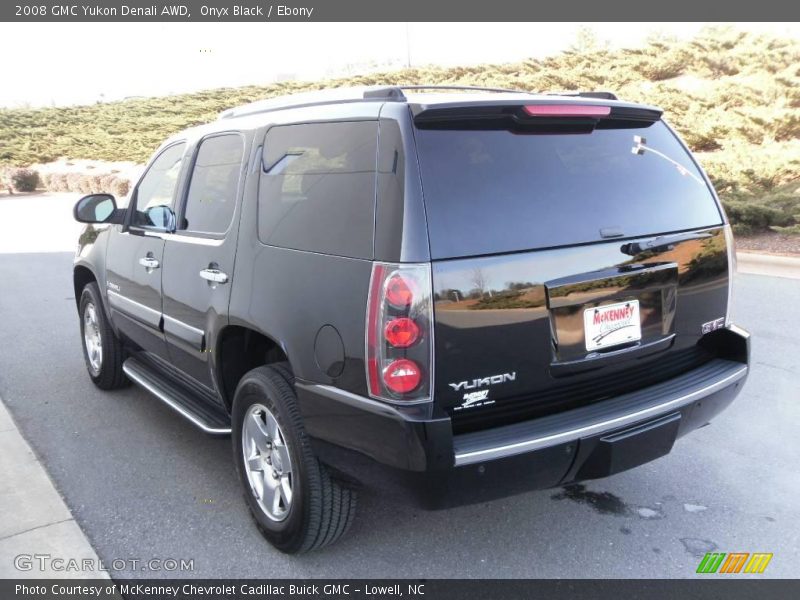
102, 350
296, 504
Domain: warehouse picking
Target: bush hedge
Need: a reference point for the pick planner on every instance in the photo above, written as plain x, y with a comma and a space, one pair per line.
87, 184
733, 96
24, 180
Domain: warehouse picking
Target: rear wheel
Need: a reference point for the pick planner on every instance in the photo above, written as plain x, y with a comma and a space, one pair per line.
286, 372
296, 504
102, 350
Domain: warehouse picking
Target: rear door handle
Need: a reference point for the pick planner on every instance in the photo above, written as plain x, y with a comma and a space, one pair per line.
214, 275
148, 262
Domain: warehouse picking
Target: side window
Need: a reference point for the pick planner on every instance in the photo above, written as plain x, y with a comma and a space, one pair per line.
157, 189
215, 180
317, 187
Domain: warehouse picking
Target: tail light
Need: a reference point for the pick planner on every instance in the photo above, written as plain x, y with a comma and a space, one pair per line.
399, 335
731, 248
402, 376
402, 332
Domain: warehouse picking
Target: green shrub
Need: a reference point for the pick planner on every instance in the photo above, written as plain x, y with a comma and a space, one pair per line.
748, 218
57, 182
791, 229
85, 184
119, 187
106, 182
95, 183
787, 127
733, 96
757, 72
74, 182
24, 180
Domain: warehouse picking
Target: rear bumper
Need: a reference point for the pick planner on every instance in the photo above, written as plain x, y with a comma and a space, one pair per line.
680, 395
584, 443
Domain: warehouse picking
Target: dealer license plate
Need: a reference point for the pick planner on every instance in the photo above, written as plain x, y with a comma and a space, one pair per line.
612, 325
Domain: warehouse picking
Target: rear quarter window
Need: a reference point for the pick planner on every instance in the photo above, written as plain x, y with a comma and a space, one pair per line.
317, 187
497, 191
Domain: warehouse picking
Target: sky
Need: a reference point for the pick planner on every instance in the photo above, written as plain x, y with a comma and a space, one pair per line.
47, 64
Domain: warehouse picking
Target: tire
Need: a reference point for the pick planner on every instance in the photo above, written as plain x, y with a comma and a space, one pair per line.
103, 351
285, 371
319, 509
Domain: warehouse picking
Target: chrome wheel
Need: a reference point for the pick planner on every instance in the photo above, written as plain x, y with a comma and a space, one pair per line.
267, 462
92, 341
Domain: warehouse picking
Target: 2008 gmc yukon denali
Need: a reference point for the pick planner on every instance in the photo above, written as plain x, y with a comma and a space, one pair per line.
457, 293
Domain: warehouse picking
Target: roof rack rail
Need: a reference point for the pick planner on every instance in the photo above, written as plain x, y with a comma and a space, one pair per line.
464, 88
392, 93
302, 99
388, 93
601, 95
395, 92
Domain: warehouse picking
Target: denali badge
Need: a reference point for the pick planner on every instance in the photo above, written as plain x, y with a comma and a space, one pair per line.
475, 399
476, 383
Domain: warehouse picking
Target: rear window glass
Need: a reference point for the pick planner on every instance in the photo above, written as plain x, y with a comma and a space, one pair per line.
317, 187
496, 191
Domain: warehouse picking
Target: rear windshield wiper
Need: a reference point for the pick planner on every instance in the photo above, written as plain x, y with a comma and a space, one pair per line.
640, 147
662, 242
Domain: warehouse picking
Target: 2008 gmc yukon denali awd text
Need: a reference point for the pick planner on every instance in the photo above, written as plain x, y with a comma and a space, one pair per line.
453, 294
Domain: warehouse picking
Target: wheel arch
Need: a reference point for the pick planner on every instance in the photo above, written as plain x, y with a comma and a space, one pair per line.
240, 349
81, 276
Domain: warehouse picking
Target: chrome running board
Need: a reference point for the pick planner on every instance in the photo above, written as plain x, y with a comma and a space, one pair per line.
211, 419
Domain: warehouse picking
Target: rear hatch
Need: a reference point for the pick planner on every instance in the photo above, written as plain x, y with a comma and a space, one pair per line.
578, 253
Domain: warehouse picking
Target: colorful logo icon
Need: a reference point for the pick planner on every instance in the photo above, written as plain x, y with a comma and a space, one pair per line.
734, 562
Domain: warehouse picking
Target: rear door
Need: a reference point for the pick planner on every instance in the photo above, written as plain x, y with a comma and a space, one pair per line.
199, 256
135, 255
574, 258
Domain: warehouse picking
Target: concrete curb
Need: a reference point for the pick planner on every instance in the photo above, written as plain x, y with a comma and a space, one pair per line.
768, 264
36, 521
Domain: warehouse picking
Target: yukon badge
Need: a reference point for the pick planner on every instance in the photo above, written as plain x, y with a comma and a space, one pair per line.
479, 397
484, 381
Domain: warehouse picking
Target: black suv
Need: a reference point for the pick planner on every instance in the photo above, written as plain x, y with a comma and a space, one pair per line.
456, 293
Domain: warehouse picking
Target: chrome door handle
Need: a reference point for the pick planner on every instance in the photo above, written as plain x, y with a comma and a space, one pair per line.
214, 275
148, 262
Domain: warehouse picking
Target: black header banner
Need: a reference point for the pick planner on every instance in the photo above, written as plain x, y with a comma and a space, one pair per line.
411, 589
396, 10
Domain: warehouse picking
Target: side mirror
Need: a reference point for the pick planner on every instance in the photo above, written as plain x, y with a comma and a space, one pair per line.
96, 208
161, 217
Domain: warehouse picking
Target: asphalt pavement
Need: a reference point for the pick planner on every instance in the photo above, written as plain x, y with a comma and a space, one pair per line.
143, 483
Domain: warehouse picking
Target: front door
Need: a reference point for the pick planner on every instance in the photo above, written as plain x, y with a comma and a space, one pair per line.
135, 255
198, 265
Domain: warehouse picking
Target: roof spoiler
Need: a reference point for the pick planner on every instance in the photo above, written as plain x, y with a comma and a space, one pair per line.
395, 92
388, 93
535, 115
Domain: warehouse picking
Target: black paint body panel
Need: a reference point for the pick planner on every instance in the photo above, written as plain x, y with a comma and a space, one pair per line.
528, 321
440, 488
496, 314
